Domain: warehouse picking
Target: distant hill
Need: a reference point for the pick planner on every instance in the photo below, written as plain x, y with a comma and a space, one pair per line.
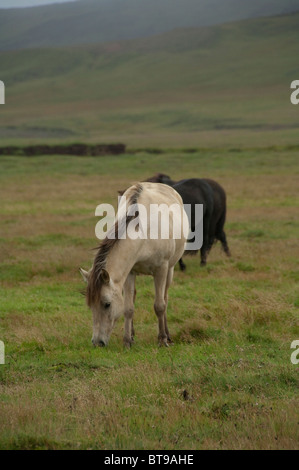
94, 21
219, 85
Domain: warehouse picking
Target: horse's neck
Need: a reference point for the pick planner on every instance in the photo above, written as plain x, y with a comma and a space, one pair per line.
121, 260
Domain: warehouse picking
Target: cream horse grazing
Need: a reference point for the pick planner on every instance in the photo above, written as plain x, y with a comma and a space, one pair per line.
111, 280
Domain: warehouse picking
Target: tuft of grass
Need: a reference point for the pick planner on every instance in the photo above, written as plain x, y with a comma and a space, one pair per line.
253, 234
245, 267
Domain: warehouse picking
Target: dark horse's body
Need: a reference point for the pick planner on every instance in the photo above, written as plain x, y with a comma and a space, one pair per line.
209, 193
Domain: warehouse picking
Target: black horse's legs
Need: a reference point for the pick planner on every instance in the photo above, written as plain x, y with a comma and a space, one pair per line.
182, 265
223, 240
205, 244
220, 234
203, 256
204, 249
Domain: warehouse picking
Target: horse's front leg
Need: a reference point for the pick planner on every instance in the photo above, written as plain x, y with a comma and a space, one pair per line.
160, 305
129, 299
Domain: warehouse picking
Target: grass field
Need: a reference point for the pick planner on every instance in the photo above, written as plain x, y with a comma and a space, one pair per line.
227, 382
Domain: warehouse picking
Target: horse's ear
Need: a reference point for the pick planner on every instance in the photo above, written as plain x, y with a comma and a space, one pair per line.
84, 274
104, 276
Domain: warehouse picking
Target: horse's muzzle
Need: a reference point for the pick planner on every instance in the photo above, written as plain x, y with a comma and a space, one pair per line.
98, 343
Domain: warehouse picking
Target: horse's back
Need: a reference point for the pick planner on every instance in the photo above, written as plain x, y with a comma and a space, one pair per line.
160, 193
153, 250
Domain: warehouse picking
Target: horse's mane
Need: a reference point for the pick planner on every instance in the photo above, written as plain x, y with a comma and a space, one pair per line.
94, 282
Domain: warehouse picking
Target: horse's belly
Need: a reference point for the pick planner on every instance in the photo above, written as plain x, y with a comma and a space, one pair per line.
143, 268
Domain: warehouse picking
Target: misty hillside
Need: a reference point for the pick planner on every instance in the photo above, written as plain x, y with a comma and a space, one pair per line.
94, 21
187, 87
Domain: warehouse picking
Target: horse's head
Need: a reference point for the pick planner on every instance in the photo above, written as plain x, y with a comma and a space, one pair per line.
105, 299
160, 178
157, 178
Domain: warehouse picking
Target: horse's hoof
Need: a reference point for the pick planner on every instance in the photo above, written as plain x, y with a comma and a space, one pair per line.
127, 344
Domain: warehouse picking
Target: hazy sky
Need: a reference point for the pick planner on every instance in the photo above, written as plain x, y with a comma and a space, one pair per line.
28, 3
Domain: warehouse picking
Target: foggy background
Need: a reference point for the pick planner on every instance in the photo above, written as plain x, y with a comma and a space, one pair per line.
150, 72
28, 3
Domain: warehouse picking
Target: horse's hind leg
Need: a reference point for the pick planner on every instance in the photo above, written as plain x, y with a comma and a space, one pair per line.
223, 240
182, 265
204, 251
205, 244
212, 230
129, 299
168, 282
220, 234
160, 304
133, 330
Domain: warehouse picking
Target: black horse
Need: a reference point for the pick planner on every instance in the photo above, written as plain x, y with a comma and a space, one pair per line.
209, 193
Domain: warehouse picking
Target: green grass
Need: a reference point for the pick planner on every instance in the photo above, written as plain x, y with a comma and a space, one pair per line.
227, 382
